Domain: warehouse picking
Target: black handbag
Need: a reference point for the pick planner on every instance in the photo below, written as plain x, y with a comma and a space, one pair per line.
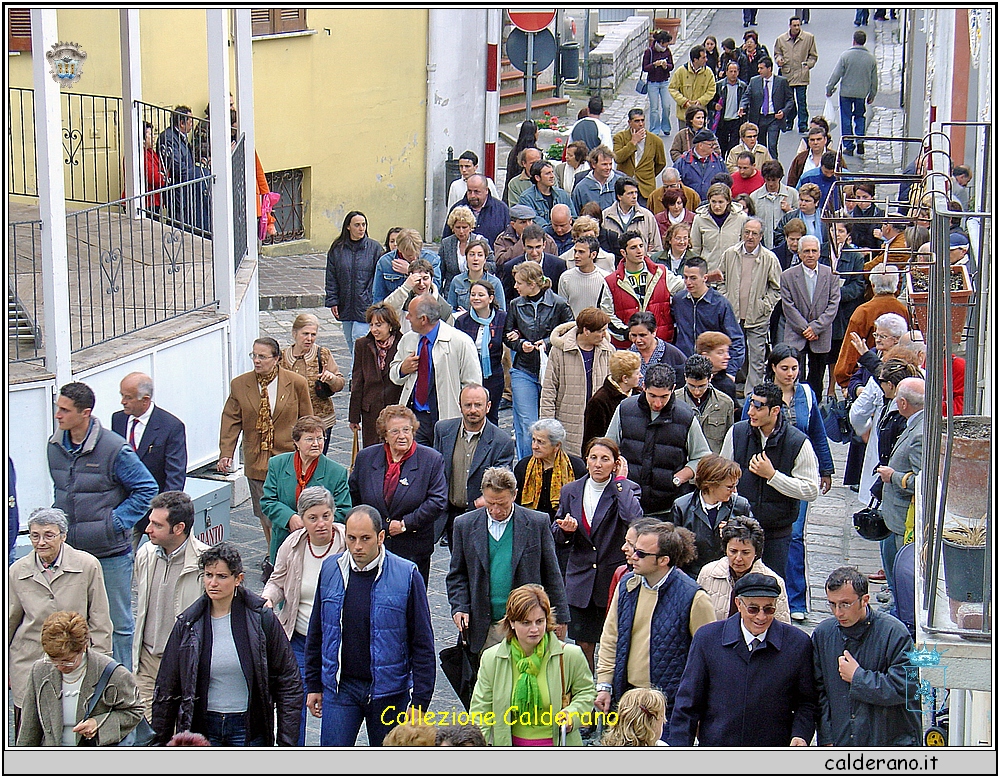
459, 665
323, 391
869, 524
836, 419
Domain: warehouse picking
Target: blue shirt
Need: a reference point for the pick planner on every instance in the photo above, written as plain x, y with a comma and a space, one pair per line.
431, 338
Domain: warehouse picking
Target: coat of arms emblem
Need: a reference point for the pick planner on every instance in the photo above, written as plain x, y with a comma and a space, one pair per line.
66, 63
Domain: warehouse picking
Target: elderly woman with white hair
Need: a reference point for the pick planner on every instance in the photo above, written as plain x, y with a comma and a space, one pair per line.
541, 476
54, 577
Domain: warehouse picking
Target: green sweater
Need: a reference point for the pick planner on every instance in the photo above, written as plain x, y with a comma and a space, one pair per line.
501, 572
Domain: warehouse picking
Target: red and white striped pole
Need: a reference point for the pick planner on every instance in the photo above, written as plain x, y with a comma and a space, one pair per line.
494, 20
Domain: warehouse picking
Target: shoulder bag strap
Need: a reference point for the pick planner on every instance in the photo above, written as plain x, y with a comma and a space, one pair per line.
102, 684
566, 697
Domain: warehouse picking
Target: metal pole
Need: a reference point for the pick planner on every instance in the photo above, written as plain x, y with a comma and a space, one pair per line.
132, 133
529, 76
557, 67
586, 49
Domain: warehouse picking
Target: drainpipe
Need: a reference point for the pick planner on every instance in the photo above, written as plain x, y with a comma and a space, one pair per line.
429, 166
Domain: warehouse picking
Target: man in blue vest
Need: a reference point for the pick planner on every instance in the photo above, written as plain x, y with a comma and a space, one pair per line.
370, 648
655, 611
779, 470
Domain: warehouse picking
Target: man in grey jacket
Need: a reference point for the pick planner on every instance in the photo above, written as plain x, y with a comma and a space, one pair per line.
857, 73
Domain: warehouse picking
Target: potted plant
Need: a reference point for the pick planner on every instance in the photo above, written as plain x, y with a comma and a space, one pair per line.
964, 561
961, 292
551, 130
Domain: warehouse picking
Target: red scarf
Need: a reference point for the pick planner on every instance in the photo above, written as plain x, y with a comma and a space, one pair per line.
392, 472
302, 481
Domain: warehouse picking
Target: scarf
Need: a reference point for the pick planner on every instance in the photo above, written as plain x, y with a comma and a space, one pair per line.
302, 479
526, 696
484, 346
392, 472
562, 474
382, 350
265, 425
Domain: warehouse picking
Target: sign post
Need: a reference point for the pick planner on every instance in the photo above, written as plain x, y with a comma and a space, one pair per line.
530, 22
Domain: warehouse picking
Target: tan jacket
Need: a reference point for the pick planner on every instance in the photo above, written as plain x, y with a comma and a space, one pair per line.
793, 53
564, 387
759, 151
285, 584
189, 587
765, 284
714, 579
709, 240
702, 613
240, 416
307, 366
654, 159
78, 586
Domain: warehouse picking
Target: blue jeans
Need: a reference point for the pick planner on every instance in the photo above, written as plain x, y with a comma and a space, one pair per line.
352, 331
298, 643
802, 107
861, 16
345, 709
795, 568
775, 553
852, 108
228, 729
525, 390
660, 105
118, 583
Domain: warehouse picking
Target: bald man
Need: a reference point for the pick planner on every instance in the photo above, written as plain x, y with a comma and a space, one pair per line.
560, 227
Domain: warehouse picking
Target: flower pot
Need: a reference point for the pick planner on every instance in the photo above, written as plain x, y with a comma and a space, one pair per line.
963, 571
959, 301
671, 24
970, 467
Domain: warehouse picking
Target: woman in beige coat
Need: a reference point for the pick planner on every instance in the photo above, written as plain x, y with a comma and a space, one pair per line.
743, 539
564, 386
54, 577
314, 363
717, 225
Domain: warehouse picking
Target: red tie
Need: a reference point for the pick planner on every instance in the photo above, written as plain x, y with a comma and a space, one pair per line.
131, 435
423, 390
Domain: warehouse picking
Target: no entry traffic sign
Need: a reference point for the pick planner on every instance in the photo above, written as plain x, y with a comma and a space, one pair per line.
532, 21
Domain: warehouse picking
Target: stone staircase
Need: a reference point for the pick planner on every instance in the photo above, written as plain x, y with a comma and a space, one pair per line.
512, 96
19, 327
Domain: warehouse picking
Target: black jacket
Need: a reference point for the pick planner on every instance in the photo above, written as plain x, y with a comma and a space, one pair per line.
270, 667
690, 514
350, 273
534, 321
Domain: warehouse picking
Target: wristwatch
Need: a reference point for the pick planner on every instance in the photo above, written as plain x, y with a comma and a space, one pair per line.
604, 687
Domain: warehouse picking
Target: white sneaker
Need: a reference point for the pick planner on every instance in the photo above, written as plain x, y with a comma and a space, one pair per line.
798, 616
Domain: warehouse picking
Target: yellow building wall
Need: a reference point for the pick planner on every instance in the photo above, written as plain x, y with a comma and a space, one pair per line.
347, 104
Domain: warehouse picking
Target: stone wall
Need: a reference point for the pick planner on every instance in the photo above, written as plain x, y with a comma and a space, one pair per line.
618, 55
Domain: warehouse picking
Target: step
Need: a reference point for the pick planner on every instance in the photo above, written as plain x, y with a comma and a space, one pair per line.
516, 94
537, 106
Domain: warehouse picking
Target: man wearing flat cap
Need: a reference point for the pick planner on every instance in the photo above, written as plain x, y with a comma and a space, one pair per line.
509, 244
748, 680
699, 164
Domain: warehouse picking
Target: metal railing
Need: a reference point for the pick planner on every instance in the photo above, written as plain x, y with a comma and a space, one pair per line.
24, 291
289, 213
239, 202
91, 127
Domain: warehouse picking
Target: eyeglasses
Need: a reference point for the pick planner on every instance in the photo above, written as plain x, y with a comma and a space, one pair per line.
753, 610
750, 135
66, 663
48, 537
643, 554
882, 336
842, 606
261, 357
758, 404
400, 431
312, 441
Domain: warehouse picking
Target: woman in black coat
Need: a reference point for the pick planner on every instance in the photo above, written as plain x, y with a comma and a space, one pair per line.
486, 320
594, 514
715, 490
350, 273
250, 639
371, 388
413, 478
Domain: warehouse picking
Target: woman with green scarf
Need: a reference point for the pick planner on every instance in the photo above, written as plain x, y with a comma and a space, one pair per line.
532, 687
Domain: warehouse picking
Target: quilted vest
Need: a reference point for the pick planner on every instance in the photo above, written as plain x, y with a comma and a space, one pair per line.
390, 644
625, 304
669, 634
775, 511
655, 450
87, 491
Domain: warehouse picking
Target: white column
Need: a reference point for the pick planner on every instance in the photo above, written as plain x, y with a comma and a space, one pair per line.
51, 199
128, 19
245, 121
222, 162
494, 27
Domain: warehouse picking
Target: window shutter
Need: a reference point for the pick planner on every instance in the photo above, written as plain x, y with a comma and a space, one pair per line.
260, 21
18, 29
290, 19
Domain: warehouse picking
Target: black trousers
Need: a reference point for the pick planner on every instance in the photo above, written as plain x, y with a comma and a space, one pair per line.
817, 369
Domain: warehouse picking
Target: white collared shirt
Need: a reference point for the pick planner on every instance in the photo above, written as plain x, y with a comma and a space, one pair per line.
705, 505
376, 562
748, 638
140, 425
497, 528
656, 587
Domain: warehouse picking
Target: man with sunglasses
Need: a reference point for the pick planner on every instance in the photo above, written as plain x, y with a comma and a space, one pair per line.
858, 658
744, 671
655, 611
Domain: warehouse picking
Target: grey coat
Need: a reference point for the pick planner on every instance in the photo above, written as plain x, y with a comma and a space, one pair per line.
117, 712
533, 561
905, 461
801, 312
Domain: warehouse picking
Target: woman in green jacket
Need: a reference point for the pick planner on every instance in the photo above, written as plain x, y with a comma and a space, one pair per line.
288, 474
532, 685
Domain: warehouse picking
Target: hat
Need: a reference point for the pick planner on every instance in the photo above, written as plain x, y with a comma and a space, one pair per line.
757, 585
958, 240
522, 212
703, 135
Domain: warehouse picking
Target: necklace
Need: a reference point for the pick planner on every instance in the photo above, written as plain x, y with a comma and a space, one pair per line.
329, 546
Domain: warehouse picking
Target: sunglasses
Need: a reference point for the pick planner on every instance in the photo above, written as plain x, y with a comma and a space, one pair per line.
753, 610
758, 404
643, 554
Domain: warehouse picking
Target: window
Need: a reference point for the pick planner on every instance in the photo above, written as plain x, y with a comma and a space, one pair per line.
289, 212
18, 29
274, 21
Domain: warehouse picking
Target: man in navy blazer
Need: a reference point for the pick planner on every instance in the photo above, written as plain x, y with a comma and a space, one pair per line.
748, 681
158, 437
769, 118
483, 445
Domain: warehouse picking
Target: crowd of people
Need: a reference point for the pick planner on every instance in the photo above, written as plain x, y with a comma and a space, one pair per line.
631, 554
